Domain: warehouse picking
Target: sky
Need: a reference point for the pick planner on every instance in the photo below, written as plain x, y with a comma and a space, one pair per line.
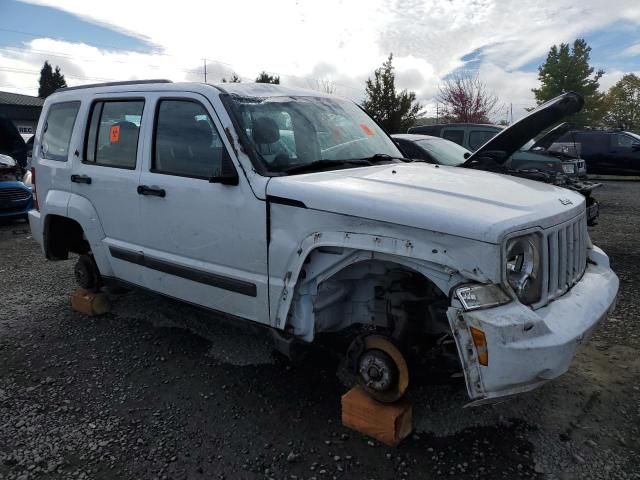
311, 42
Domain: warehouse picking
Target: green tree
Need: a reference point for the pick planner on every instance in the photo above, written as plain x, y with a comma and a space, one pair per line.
50, 80
567, 69
395, 111
623, 103
264, 77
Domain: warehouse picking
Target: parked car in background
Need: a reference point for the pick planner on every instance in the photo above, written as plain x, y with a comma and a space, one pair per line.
294, 210
606, 152
532, 155
468, 135
527, 165
15, 195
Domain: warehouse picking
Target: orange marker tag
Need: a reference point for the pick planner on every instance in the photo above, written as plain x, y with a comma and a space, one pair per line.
366, 130
114, 134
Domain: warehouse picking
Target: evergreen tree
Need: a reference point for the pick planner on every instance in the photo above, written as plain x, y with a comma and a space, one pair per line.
395, 111
50, 80
264, 77
567, 69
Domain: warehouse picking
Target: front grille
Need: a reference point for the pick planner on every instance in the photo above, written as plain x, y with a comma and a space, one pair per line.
14, 194
566, 257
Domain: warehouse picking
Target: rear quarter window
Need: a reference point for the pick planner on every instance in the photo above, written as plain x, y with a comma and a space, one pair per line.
57, 130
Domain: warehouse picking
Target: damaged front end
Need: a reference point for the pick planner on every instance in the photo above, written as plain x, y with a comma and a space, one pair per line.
513, 348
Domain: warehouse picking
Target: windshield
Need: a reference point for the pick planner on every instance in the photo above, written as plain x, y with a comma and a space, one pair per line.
635, 136
444, 151
290, 132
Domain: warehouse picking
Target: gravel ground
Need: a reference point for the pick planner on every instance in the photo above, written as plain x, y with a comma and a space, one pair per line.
130, 395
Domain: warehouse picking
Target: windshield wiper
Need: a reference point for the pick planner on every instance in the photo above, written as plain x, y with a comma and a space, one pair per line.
325, 164
383, 157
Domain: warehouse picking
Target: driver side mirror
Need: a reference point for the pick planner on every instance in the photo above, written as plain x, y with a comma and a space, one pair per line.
227, 174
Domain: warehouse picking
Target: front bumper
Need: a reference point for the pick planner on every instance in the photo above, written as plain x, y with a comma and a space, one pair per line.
526, 347
14, 208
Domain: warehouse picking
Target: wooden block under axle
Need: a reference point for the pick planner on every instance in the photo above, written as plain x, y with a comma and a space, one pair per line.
388, 422
89, 303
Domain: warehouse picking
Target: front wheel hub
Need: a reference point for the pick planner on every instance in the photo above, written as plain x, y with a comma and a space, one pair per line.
382, 369
378, 370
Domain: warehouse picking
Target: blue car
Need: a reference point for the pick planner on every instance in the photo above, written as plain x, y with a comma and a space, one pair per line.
16, 198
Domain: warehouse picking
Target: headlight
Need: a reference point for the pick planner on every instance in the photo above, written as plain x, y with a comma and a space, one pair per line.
523, 265
478, 296
569, 168
27, 178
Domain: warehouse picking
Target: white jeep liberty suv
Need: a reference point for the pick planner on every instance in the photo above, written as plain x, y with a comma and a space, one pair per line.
295, 210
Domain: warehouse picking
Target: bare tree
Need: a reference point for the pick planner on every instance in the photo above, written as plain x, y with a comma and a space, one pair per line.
233, 79
466, 99
323, 85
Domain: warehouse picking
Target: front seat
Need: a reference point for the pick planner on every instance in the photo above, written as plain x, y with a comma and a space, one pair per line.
266, 136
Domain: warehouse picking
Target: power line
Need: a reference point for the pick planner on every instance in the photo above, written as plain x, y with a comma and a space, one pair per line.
70, 75
22, 50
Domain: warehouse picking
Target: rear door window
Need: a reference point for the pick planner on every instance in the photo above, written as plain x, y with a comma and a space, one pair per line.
477, 138
112, 136
454, 135
57, 130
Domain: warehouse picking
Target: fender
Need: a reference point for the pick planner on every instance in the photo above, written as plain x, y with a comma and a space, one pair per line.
350, 248
82, 211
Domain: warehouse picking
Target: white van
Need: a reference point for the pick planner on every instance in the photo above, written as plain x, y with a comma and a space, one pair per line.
295, 210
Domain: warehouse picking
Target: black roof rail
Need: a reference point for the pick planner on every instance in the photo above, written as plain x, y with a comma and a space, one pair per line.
113, 84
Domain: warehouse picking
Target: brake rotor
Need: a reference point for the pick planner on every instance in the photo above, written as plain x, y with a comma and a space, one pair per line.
382, 370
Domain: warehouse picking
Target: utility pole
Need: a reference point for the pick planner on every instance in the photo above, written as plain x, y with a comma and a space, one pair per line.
437, 111
511, 114
205, 70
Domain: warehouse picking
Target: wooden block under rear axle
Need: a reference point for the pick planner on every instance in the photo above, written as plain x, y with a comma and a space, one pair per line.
89, 303
388, 422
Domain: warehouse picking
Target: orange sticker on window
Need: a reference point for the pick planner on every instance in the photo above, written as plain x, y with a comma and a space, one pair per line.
366, 130
114, 134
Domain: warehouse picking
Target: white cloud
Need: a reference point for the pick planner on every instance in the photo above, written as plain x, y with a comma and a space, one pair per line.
631, 51
338, 40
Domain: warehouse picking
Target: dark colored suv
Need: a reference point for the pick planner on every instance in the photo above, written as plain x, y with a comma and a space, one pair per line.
607, 152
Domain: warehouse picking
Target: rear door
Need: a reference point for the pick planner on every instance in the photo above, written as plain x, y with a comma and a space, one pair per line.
203, 242
107, 176
625, 154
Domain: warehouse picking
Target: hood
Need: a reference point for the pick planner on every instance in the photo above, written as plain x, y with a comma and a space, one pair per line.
466, 203
11, 142
511, 139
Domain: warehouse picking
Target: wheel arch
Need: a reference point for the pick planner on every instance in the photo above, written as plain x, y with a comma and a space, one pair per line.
322, 256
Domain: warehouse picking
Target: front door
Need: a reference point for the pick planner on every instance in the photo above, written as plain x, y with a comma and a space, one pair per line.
106, 175
203, 242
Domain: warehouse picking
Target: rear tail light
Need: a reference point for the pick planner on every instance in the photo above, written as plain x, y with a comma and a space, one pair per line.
33, 189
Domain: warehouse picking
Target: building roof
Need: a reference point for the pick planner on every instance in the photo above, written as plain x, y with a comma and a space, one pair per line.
8, 98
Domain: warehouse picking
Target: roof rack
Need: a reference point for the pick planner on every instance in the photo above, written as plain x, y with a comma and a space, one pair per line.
113, 84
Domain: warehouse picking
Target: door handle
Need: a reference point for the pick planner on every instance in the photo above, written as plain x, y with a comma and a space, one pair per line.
153, 191
81, 179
